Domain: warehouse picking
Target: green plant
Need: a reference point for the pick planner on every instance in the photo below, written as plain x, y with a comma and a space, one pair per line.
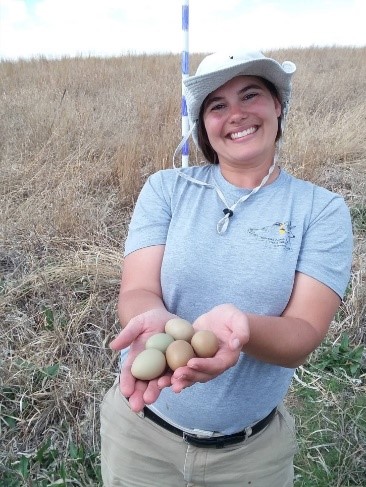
358, 215
330, 415
341, 355
53, 319
47, 467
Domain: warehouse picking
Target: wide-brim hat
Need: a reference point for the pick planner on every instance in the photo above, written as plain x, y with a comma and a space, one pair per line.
217, 69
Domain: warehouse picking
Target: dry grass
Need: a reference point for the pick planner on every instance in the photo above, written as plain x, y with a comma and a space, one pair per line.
78, 138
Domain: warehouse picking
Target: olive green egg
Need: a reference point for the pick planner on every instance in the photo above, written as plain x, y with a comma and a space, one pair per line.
160, 341
148, 364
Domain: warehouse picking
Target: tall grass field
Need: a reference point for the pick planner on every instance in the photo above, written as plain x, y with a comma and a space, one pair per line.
78, 137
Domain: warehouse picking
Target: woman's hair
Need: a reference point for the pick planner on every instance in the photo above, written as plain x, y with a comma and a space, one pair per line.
203, 142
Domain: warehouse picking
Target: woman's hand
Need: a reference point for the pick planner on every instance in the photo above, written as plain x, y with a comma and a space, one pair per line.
231, 327
135, 335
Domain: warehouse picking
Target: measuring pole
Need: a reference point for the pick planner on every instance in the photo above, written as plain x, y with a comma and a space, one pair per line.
185, 74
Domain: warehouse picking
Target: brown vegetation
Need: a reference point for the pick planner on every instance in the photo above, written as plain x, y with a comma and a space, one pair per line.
78, 138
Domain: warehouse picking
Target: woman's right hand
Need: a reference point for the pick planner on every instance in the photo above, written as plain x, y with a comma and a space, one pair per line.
134, 335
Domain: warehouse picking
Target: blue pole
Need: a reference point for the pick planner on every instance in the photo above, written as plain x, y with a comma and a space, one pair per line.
185, 74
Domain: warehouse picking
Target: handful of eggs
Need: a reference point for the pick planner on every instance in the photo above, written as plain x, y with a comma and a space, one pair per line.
174, 349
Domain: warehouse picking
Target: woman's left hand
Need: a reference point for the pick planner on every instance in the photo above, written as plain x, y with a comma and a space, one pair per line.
135, 335
231, 327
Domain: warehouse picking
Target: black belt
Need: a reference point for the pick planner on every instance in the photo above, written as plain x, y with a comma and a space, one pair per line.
216, 441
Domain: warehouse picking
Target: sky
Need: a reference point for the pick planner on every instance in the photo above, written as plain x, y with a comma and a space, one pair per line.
68, 28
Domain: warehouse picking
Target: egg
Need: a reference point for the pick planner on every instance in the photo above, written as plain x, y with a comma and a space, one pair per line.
205, 343
178, 353
148, 364
179, 329
160, 341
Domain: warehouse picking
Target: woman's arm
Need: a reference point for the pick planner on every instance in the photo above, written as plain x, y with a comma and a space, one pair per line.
286, 340
289, 339
140, 289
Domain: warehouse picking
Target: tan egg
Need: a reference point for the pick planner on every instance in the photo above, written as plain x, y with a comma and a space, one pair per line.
149, 364
178, 353
179, 329
205, 343
160, 341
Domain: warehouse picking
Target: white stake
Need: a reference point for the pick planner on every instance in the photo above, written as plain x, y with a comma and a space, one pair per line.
185, 74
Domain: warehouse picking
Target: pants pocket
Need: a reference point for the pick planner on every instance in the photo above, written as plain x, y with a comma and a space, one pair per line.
288, 422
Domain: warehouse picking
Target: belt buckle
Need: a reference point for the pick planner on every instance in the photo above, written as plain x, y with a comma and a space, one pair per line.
190, 439
185, 437
195, 440
204, 442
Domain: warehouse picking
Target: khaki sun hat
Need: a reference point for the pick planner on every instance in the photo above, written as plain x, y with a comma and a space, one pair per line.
218, 68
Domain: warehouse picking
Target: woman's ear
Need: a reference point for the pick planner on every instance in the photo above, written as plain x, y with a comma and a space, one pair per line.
278, 106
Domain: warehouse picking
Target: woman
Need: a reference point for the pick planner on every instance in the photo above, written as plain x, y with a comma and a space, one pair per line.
240, 247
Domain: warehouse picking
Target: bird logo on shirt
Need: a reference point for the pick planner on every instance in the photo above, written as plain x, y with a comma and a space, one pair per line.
278, 234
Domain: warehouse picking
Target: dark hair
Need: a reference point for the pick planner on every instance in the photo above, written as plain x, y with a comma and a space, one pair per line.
203, 142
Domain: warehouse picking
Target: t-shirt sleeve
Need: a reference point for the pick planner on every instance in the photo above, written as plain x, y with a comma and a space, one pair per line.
151, 216
326, 250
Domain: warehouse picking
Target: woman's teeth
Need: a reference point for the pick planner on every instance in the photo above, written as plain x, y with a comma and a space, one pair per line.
238, 135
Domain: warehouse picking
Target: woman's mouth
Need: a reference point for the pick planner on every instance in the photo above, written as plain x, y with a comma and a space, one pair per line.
244, 133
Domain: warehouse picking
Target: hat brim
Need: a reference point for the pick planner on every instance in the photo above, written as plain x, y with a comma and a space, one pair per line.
200, 86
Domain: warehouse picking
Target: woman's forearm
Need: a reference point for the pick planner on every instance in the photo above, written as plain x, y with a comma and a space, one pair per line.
289, 339
134, 302
284, 341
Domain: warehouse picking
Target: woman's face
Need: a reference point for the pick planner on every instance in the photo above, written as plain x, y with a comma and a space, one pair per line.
241, 121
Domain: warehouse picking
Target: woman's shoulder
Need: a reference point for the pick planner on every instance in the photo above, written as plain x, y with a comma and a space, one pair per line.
305, 188
318, 203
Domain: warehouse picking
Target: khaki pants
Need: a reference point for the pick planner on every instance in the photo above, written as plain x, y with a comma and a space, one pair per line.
138, 453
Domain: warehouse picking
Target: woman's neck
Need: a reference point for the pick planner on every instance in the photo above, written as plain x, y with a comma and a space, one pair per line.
248, 178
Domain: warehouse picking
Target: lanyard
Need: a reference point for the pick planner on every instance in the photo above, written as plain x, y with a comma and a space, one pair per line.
223, 223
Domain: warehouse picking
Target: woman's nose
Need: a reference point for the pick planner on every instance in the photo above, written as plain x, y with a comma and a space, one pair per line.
237, 112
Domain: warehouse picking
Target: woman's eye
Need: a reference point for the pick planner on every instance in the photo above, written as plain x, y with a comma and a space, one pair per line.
218, 106
249, 96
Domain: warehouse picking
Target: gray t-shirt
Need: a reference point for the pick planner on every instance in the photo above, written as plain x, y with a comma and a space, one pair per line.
289, 225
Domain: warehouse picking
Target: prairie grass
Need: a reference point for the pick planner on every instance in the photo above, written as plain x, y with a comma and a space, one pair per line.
78, 137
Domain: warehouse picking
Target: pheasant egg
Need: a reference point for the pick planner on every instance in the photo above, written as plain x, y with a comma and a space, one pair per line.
205, 343
149, 364
160, 341
178, 353
179, 329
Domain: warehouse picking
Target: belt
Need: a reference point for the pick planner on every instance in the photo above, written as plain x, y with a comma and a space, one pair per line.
213, 442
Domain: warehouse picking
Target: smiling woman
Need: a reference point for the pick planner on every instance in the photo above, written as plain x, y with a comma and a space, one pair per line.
203, 142
242, 249
242, 120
